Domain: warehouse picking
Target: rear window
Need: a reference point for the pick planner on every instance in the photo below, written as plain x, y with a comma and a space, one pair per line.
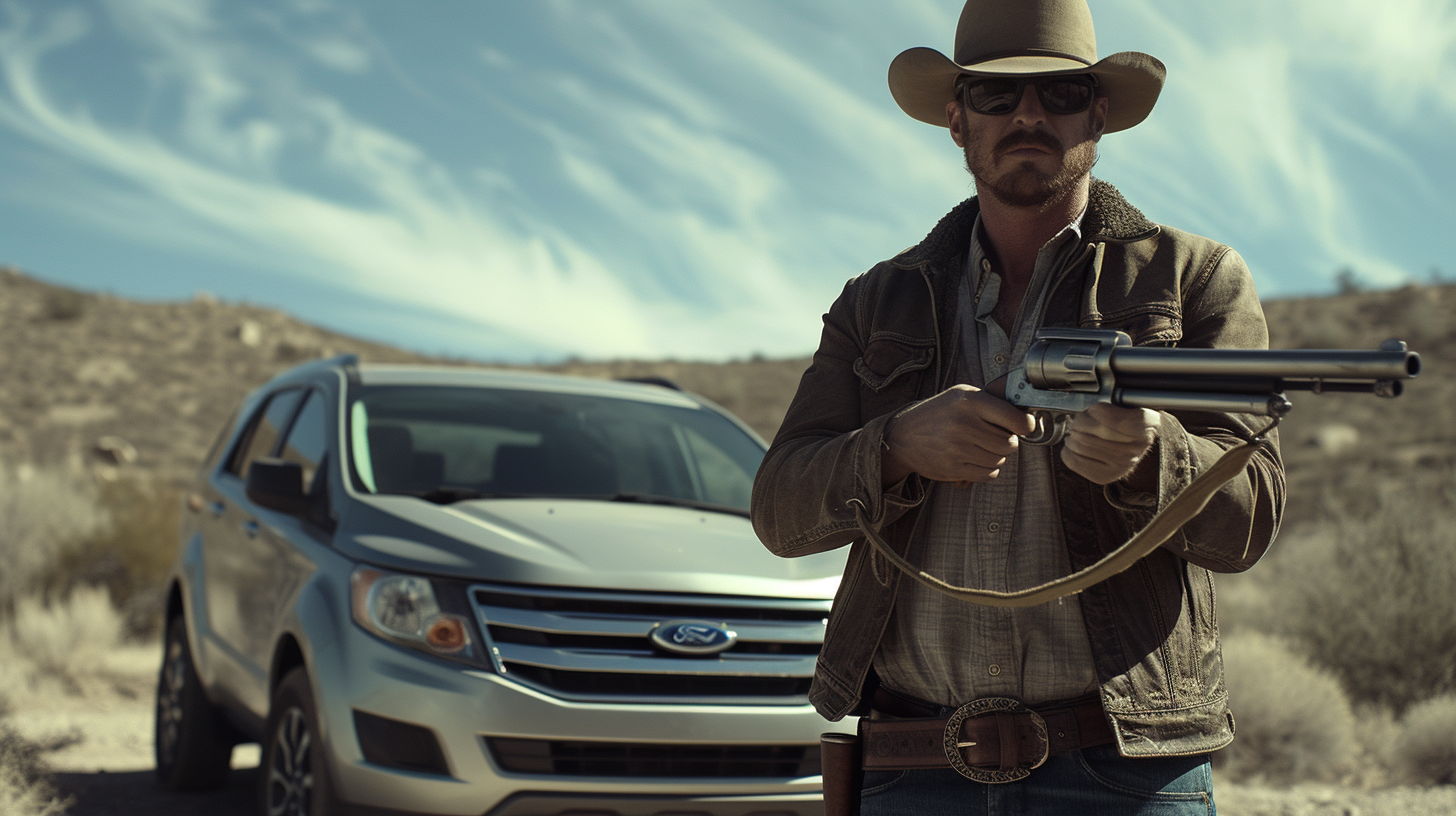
422, 439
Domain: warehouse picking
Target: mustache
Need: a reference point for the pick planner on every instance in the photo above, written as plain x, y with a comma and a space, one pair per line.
1029, 138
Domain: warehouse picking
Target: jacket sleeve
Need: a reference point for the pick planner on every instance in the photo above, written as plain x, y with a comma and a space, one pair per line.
1220, 310
825, 458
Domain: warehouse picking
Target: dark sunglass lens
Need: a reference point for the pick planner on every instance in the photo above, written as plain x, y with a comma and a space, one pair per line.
1063, 96
993, 96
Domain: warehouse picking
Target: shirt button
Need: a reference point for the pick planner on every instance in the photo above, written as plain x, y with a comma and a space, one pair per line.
993, 670
993, 526
1000, 359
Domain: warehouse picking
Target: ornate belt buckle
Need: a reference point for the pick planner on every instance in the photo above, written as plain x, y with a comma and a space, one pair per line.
981, 707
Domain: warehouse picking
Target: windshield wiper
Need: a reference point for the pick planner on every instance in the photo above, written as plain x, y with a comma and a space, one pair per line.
671, 501
450, 495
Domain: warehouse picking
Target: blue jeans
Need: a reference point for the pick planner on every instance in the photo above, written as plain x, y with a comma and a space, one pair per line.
1092, 782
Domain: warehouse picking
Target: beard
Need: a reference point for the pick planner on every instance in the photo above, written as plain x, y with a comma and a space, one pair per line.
1020, 183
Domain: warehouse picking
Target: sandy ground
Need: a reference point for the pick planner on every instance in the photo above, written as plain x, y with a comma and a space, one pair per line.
100, 723
136, 793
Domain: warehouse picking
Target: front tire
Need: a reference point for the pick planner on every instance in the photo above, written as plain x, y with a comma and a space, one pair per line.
294, 775
193, 743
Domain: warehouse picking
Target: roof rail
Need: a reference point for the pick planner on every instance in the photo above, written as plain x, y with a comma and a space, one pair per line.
346, 360
652, 380
349, 361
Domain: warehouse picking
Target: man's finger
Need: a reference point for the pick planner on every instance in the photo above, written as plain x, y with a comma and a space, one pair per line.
982, 407
1118, 423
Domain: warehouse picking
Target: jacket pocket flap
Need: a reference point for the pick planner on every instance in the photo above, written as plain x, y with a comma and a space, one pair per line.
1147, 328
885, 360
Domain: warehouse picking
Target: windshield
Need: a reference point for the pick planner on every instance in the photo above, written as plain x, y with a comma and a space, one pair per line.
446, 443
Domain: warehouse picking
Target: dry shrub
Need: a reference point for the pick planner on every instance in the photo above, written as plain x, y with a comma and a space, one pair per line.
61, 303
1425, 749
65, 531
48, 518
1295, 723
132, 556
1372, 599
1420, 314
1322, 329
1245, 601
25, 787
68, 638
146, 517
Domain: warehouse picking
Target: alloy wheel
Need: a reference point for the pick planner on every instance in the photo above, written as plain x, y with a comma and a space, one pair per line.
290, 773
170, 701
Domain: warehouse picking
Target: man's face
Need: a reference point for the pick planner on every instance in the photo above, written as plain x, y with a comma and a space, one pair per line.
1028, 157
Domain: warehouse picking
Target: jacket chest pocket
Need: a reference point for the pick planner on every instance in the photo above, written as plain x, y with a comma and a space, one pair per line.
1147, 328
891, 373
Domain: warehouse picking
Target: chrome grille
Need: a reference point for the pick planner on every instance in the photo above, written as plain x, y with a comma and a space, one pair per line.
595, 645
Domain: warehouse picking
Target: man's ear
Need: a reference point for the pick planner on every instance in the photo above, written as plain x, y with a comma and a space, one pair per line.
956, 123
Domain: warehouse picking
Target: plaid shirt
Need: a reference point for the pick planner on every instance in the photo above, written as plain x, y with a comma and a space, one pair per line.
1004, 534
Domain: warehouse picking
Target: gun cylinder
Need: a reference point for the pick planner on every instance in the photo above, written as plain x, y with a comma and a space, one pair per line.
1065, 365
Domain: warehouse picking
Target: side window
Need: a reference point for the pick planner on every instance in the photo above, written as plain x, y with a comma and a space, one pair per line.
262, 438
307, 439
214, 452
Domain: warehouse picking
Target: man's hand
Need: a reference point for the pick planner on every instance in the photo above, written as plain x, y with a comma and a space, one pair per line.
962, 434
1106, 442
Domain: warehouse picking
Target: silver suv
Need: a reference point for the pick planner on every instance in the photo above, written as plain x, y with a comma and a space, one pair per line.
461, 591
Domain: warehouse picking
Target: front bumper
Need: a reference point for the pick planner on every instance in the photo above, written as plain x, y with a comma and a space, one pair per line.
464, 708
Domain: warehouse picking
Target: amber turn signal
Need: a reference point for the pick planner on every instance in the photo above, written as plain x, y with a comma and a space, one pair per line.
447, 634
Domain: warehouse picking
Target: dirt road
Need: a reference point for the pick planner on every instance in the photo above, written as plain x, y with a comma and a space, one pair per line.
97, 716
136, 793
102, 727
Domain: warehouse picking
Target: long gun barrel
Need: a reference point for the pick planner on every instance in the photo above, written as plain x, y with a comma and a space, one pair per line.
1069, 370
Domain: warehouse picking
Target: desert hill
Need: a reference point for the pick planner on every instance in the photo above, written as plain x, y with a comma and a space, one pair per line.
94, 381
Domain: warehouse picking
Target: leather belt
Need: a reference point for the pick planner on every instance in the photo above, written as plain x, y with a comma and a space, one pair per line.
993, 739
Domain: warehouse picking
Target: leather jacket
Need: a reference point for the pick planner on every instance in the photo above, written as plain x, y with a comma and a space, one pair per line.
886, 345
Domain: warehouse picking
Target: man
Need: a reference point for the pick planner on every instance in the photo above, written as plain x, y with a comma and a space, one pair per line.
897, 430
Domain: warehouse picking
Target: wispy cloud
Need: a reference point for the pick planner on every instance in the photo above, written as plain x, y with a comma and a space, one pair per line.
687, 178
749, 151
417, 238
1285, 107
683, 234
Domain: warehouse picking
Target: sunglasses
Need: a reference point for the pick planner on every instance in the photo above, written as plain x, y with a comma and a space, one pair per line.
1059, 95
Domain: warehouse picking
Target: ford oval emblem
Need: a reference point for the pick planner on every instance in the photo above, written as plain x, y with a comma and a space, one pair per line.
692, 637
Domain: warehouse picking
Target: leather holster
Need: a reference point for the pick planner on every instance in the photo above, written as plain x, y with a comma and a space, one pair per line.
843, 771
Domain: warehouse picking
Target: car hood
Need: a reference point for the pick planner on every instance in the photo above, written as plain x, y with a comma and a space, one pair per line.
586, 543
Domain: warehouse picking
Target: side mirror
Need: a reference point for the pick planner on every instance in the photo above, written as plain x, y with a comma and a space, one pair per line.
278, 485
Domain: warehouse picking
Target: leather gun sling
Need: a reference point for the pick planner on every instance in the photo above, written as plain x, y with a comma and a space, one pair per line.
1187, 504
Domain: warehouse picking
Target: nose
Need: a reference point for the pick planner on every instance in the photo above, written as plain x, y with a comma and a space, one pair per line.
1029, 111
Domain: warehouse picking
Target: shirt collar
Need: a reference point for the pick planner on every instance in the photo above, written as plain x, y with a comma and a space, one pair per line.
977, 277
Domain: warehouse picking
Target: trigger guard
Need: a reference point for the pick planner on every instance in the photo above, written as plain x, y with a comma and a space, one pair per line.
1051, 426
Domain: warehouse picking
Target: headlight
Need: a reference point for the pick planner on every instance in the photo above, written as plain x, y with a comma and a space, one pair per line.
403, 609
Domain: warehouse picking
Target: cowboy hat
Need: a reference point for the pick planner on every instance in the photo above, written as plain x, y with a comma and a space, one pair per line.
1026, 37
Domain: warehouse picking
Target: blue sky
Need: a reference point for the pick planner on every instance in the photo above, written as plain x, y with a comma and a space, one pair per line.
525, 180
